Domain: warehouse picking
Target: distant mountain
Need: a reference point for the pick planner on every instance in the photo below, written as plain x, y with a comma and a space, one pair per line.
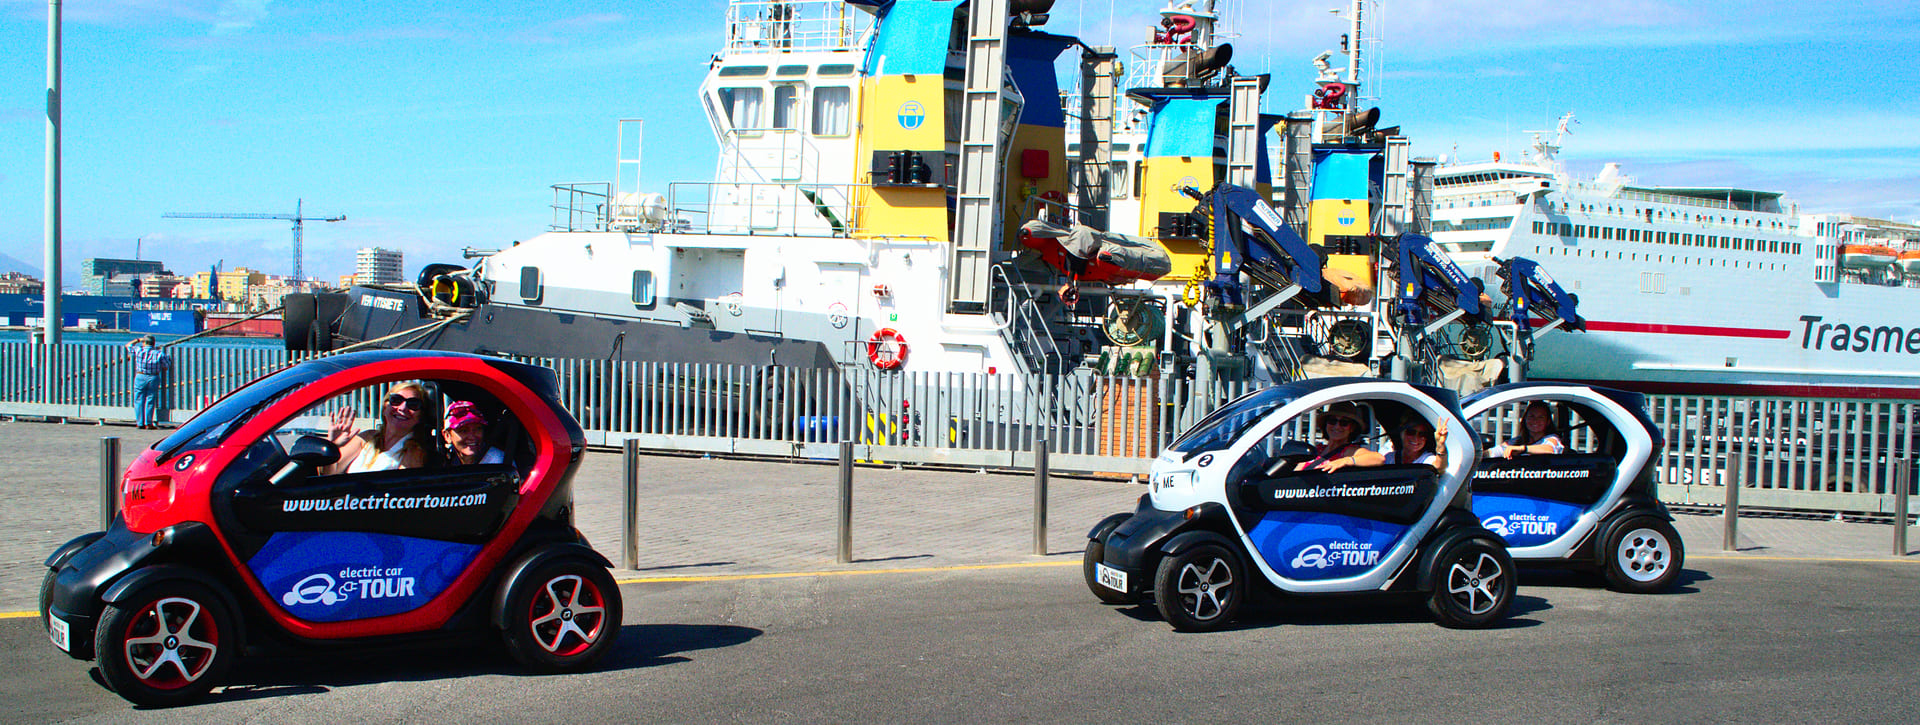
10, 264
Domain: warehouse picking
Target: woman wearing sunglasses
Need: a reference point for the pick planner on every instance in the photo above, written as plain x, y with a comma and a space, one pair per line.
1340, 424
1417, 443
402, 440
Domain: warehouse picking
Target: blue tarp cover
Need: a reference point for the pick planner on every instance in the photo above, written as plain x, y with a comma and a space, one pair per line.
912, 39
1342, 174
1182, 127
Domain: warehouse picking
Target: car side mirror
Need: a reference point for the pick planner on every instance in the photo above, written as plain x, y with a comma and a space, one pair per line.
310, 453
1289, 456
313, 451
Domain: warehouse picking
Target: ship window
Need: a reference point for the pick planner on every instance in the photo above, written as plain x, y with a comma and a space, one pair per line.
530, 285
1118, 173
1537, 227
790, 70
643, 289
837, 69
830, 104
743, 71
786, 106
743, 107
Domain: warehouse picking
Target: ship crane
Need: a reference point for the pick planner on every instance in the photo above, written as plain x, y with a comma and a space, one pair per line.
297, 217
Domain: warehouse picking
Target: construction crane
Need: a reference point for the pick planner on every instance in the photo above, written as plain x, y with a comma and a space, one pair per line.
299, 221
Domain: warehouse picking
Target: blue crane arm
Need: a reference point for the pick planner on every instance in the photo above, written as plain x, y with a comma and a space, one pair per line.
1424, 267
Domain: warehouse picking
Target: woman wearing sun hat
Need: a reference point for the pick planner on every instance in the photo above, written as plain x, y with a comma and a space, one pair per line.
1342, 425
466, 436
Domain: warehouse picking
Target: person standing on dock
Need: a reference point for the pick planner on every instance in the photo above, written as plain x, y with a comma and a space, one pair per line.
149, 363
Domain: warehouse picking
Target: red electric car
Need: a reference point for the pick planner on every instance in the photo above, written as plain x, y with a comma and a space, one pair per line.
237, 531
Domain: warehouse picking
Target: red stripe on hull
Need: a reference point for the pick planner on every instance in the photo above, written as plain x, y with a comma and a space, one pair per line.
1756, 390
1598, 326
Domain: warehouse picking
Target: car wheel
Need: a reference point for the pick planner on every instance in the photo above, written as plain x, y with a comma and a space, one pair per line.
1096, 553
563, 617
1472, 584
46, 594
167, 644
1643, 556
1199, 589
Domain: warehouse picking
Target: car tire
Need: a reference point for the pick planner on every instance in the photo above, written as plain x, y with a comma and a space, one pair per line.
166, 644
1472, 584
1644, 556
1199, 589
1096, 553
563, 616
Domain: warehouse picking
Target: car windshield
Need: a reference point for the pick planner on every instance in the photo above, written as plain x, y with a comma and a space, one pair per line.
1224, 426
212, 425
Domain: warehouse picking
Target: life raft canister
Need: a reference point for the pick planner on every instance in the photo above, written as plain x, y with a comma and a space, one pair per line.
887, 349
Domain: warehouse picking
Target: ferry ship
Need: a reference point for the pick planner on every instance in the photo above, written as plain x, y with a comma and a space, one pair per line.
1695, 290
892, 177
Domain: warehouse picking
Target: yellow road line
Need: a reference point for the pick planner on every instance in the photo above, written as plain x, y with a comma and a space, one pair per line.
1890, 559
844, 572
1038, 564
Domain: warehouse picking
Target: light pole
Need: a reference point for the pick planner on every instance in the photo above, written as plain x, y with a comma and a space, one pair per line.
51, 308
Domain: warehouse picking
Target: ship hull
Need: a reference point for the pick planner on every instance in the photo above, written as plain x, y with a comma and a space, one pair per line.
373, 314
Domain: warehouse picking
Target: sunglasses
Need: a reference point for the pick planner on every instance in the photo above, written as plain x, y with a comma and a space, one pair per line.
410, 403
1341, 421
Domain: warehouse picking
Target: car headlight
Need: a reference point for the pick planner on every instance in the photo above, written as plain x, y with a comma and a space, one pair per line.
1173, 479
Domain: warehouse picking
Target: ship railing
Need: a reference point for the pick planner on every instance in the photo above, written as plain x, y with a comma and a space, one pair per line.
581, 206
1788, 454
785, 26
763, 209
1022, 324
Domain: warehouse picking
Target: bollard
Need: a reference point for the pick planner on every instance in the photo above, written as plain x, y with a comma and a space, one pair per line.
629, 537
1040, 497
1902, 481
109, 479
844, 554
1730, 539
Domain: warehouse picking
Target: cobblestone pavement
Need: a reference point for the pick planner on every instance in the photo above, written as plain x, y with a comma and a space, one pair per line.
707, 516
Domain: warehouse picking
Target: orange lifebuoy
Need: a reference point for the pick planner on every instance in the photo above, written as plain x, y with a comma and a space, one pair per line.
887, 349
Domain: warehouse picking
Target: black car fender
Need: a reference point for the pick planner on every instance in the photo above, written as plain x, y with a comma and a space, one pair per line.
1106, 526
1454, 526
528, 562
66, 551
1194, 537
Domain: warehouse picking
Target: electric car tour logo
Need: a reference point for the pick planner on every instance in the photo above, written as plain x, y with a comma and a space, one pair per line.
383, 502
369, 583
1521, 525
1336, 553
1342, 491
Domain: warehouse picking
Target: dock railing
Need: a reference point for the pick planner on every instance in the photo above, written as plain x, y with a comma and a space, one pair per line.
1792, 454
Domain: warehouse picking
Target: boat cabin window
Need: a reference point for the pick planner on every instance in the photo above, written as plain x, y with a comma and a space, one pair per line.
830, 110
643, 289
743, 71
837, 69
742, 106
790, 70
786, 106
530, 284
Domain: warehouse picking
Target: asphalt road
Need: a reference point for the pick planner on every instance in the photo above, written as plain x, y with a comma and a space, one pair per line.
1743, 640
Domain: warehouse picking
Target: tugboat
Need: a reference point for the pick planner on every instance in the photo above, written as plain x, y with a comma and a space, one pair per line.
895, 192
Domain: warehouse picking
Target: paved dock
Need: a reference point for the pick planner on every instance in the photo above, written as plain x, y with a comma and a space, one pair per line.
704, 517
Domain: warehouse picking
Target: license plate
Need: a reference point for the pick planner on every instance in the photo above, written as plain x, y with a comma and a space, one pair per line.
1108, 577
57, 631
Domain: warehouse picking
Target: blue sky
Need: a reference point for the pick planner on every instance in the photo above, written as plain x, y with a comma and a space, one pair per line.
440, 125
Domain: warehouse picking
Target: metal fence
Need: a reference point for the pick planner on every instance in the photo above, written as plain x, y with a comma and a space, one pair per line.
1786, 453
